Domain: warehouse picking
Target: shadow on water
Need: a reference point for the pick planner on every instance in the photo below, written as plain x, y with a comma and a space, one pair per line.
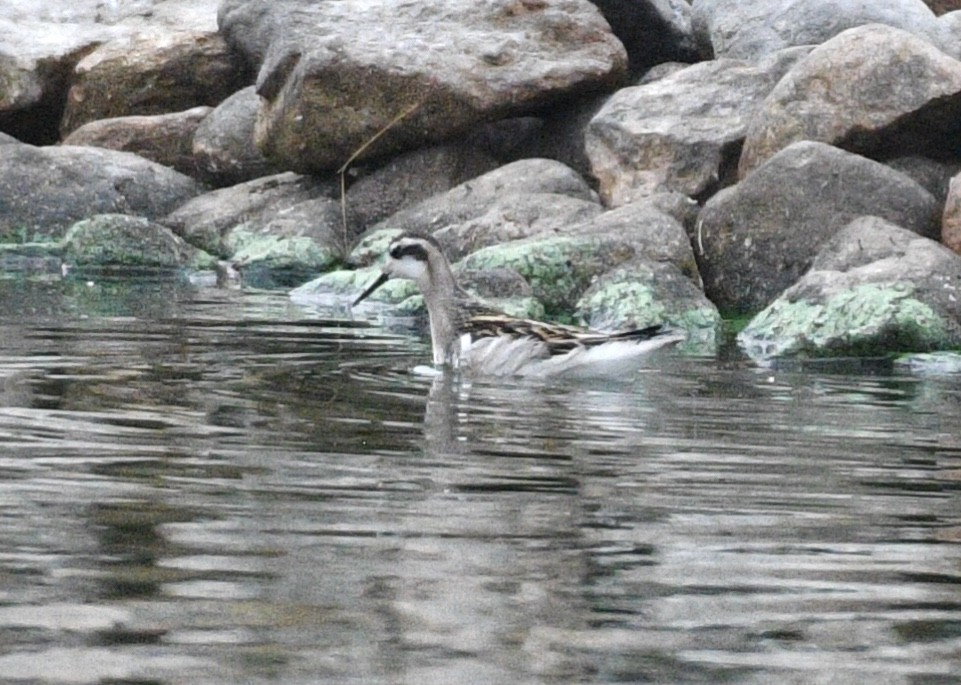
217, 487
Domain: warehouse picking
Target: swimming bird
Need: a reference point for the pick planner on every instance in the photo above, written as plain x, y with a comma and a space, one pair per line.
468, 334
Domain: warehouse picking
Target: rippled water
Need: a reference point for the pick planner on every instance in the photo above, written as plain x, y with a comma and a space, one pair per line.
203, 486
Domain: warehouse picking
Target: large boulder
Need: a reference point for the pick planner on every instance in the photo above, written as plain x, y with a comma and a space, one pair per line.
682, 132
42, 42
378, 76
561, 266
874, 90
288, 247
151, 73
524, 198
412, 177
749, 30
755, 239
163, 138
36, 60
874, 289
205, 220
43, 191
110, 240
643, 292
223, 144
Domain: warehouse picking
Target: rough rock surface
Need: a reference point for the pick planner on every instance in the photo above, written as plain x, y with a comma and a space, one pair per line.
656, 235
516, 200
45, 190
335, 74
411, 177
682, 132
151, 73
558, 268
756, 238
206, 219
163, 138
951, 218
223, 144
642, 293
748, 30
874, 90
121, 240
289, 246
874, 289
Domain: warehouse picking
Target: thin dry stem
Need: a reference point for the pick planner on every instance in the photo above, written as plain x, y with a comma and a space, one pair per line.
359, 151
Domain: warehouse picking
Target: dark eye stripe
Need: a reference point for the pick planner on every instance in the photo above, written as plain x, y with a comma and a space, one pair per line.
415, 250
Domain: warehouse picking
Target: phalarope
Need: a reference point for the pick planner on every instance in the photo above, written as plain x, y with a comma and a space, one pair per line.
466, 333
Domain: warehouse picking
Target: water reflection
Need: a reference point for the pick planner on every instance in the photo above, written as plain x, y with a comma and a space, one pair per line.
224, 488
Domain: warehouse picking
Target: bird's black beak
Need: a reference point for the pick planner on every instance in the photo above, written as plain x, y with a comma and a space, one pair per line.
371, 288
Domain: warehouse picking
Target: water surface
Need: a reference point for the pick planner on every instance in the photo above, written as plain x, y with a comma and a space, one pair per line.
211, 487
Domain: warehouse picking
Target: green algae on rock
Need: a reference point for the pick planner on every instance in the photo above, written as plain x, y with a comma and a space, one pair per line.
130, 241
348, 283
559, 269
869, 319
642, 293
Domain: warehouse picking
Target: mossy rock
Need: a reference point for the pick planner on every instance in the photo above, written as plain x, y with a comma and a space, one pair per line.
559, 269
372, 247
349, 283
129, 241
642, 293
869, 319
268, 260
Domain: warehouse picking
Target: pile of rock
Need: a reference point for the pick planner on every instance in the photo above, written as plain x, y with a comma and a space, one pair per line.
616, 162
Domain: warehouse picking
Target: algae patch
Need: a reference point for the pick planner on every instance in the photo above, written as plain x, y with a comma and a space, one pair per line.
865, 320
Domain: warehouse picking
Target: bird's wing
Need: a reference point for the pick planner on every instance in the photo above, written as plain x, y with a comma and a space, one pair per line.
558, 338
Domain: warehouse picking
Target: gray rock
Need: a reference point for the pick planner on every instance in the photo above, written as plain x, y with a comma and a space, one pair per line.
643, 293
505, 140
411, 177
335, 74
42, 42
67, 184
653, 31
749, 30
512, 217
681, 133
206, 219
287, 247
757, 238
931, 174
498, 284
70, 14
163, 138
875, 289
223, 144
951, 215
154, 72
950, 25
128, 241
650, 232
36, 60
875, 90
519, 199
563, 133
558, 268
